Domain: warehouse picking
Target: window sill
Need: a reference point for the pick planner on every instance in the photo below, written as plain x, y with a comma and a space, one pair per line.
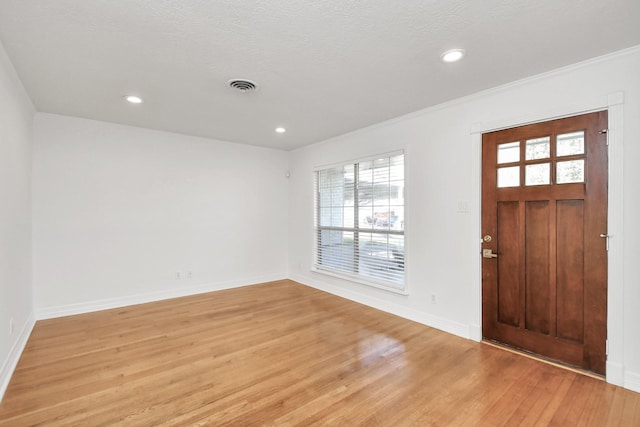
360, 280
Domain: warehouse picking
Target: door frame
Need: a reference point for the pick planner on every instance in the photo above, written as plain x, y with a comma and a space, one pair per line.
613, 103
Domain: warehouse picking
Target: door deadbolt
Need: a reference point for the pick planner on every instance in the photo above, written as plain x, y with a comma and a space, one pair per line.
487, 238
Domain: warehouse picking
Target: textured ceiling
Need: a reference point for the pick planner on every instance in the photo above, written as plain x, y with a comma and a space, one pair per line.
323, 68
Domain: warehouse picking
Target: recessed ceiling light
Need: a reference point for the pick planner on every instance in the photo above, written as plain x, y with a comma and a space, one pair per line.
452, 55
281, 130
133, 99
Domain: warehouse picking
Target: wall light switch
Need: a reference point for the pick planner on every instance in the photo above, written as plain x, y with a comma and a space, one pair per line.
463, 206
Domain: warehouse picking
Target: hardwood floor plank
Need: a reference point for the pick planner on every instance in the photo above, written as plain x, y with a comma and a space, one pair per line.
284, 354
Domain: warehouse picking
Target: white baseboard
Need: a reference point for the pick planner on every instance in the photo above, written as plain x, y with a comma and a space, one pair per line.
632, 381
109, 303
615, 373
475, 332
9, 365
455, 328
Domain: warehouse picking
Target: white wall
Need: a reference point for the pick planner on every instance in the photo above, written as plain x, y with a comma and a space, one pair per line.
442, 244
119, 210
16, 115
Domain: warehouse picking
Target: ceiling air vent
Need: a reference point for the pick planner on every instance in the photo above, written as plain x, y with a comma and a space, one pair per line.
242, 85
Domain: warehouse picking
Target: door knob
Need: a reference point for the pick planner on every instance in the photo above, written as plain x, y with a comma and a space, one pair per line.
488, 253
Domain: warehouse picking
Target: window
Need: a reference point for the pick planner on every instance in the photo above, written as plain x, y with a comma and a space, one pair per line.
359, 221
543, 164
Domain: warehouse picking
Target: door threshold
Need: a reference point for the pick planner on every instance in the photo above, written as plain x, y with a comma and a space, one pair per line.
543, 359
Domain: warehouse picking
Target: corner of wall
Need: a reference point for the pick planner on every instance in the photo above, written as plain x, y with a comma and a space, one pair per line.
11, 362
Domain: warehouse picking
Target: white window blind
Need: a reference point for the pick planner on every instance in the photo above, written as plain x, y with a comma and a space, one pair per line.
359, 221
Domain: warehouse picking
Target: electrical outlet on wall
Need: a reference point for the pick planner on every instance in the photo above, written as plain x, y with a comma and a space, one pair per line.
433, 298
178, 275
11, 326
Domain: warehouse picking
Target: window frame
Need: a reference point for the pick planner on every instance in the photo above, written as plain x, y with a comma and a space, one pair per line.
399, 287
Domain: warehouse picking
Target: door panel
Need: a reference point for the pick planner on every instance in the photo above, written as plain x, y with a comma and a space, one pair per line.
509, 276
536, 239
544, 202
570, 271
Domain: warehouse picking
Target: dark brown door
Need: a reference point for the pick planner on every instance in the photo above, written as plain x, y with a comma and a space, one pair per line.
544, 222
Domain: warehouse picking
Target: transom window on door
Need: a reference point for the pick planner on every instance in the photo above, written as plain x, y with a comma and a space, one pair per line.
546, 160
359, 221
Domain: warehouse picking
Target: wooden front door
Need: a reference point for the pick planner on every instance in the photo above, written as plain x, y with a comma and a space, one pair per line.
544, 225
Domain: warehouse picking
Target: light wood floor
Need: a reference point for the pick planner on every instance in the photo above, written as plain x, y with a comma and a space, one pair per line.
284, 354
